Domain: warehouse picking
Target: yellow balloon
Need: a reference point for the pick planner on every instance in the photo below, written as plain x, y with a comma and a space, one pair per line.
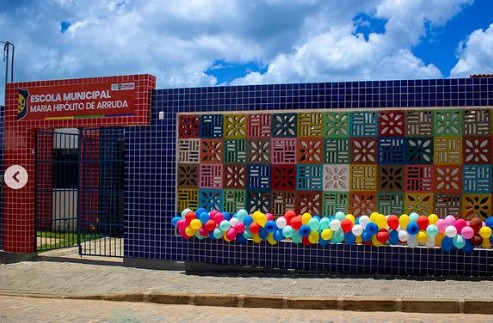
381, 221
485, 232
262, 219
305, 218
225, 237
327, 234
270, 239
422, 237
351, 218
375, 242
256, 238
189, 231
439, 238
373, 217
486, 244
313, 237
359, 239
433, 218
404, 221
195, 224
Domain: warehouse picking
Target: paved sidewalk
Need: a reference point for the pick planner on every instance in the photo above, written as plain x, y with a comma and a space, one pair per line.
67, 278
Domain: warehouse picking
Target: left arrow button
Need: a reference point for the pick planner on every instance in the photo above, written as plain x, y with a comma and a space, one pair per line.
16, 177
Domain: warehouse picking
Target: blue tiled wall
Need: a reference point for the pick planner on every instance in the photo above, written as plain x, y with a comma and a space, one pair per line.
150, 176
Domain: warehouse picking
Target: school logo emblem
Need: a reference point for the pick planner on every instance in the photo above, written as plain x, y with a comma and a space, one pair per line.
22, 103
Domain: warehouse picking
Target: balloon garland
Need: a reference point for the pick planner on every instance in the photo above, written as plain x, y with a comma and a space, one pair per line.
377, 229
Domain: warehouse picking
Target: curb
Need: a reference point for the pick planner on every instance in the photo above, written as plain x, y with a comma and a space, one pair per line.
363, 304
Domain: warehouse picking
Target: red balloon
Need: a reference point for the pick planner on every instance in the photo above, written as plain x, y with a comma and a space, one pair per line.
393, 222
203, 232
254, 228
296, 222
289, 215
476, 240
383, 235
210, 225
189, 216
346, 225
476, 224
305, 241
422, 222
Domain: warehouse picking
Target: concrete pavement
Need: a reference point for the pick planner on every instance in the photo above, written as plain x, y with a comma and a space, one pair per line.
66, 276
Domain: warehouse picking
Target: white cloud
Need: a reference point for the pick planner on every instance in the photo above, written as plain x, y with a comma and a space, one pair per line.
299, 41
475, 54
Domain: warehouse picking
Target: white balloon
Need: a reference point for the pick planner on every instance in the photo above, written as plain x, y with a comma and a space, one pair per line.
233, 221
451, 231
403, 235
430, 242
412, 242
335, 225
281, 222
357, 229
364, 220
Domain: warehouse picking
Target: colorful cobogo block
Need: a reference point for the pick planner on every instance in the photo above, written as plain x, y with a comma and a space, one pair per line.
411, 230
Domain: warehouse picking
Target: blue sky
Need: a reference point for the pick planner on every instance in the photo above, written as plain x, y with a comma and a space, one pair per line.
219, 42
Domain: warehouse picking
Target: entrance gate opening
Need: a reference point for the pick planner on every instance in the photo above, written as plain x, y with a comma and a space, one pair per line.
79, 190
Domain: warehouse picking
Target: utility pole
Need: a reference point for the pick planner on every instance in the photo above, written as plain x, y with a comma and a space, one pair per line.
8, 56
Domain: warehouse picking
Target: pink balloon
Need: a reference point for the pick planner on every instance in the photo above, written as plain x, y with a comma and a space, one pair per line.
231, 234
441, 225
239, 227
460, 224
269, 216
181, 224
218, 217
467, 232
450, 219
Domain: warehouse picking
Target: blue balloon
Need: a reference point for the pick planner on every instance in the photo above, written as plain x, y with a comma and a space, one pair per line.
394, 237
270, 226
371, 228
365, 236
227, 216
263, 233
211, 235
204, 217
241, 239
175, 220
247, 220
489, 222
305, 230
278, 236
468, 248
323, 242
412, 228
349, 238
447, 244
200, 210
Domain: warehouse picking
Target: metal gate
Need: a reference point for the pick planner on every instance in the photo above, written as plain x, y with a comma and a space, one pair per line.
79, 190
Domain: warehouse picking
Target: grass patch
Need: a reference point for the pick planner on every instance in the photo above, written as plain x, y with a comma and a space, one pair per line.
49, 240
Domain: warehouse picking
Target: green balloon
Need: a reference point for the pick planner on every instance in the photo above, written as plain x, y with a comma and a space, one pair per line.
217, 233
432, 230
324, 223
296, 237
287, 231
337, 236
314, 224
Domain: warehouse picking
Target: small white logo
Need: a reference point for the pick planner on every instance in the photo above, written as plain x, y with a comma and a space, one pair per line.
123, 86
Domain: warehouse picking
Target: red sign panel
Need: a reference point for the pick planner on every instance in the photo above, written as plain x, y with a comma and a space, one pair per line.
73, 101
